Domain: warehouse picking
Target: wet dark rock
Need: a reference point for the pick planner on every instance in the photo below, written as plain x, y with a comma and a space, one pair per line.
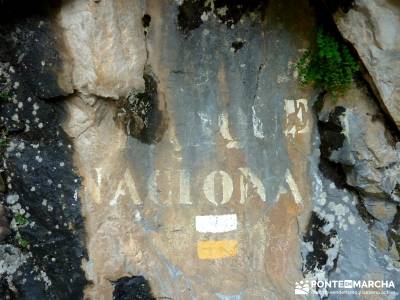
146, 20
129, 288
4, 223
140, 114
237, 45
2, 185
334, 5
189, 16
42, 185
332, 138
31, 43
192, 13
5, 292
321, 240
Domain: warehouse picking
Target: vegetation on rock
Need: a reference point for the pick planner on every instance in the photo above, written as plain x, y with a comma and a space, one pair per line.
329, 65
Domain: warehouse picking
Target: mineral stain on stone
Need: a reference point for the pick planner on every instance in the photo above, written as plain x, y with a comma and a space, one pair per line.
192, 13
321, 242
332, 138
140, 114
237, 45
129, 288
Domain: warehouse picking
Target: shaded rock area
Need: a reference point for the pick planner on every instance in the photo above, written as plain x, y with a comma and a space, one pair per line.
141, 114
321, 239
135, 287
192, 13
41, 257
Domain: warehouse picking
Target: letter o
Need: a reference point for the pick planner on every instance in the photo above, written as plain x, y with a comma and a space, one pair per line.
209, 187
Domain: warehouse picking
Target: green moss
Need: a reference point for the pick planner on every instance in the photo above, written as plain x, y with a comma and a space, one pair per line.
21, 220
329, 65
4, 96
22, 242
3, 142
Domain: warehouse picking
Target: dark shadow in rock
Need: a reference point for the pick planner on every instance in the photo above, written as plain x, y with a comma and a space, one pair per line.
39, 165
32, 43
332, 138
334, 5
189, 15
140, 113
228, 12
132, 288
146, 19
5, 292
321, 242
237, 45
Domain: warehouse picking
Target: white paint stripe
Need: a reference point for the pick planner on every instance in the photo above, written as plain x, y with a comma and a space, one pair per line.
293, 187
216, 224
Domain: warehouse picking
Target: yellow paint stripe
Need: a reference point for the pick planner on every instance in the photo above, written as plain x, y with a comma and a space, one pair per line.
217, 249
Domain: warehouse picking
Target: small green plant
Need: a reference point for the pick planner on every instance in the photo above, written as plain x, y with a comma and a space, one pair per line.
21, 220
22, 242
3, 143
329, 65
4, 95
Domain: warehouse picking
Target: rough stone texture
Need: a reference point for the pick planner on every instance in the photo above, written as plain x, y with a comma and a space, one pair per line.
135, 287
46, 244
221, 126
372, 28
355, 139
105, 41
237, 141
368, 153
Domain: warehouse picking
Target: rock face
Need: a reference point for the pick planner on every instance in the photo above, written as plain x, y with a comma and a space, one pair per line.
105, 42
227, 149
42, 256
360, 155
372, 28
177, 157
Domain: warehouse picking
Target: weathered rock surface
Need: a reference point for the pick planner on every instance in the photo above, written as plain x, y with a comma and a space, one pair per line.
373, 29
228, 148
4, 223
42, 255
183, 160
365, 148
358, 153
105, 42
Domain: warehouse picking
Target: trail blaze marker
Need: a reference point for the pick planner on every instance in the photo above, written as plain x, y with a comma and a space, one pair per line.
216, 224
217, 249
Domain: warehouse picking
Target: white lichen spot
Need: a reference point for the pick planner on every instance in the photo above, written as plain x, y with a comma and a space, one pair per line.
12, 198
351, 219
15, 118
204, 16
257, 125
